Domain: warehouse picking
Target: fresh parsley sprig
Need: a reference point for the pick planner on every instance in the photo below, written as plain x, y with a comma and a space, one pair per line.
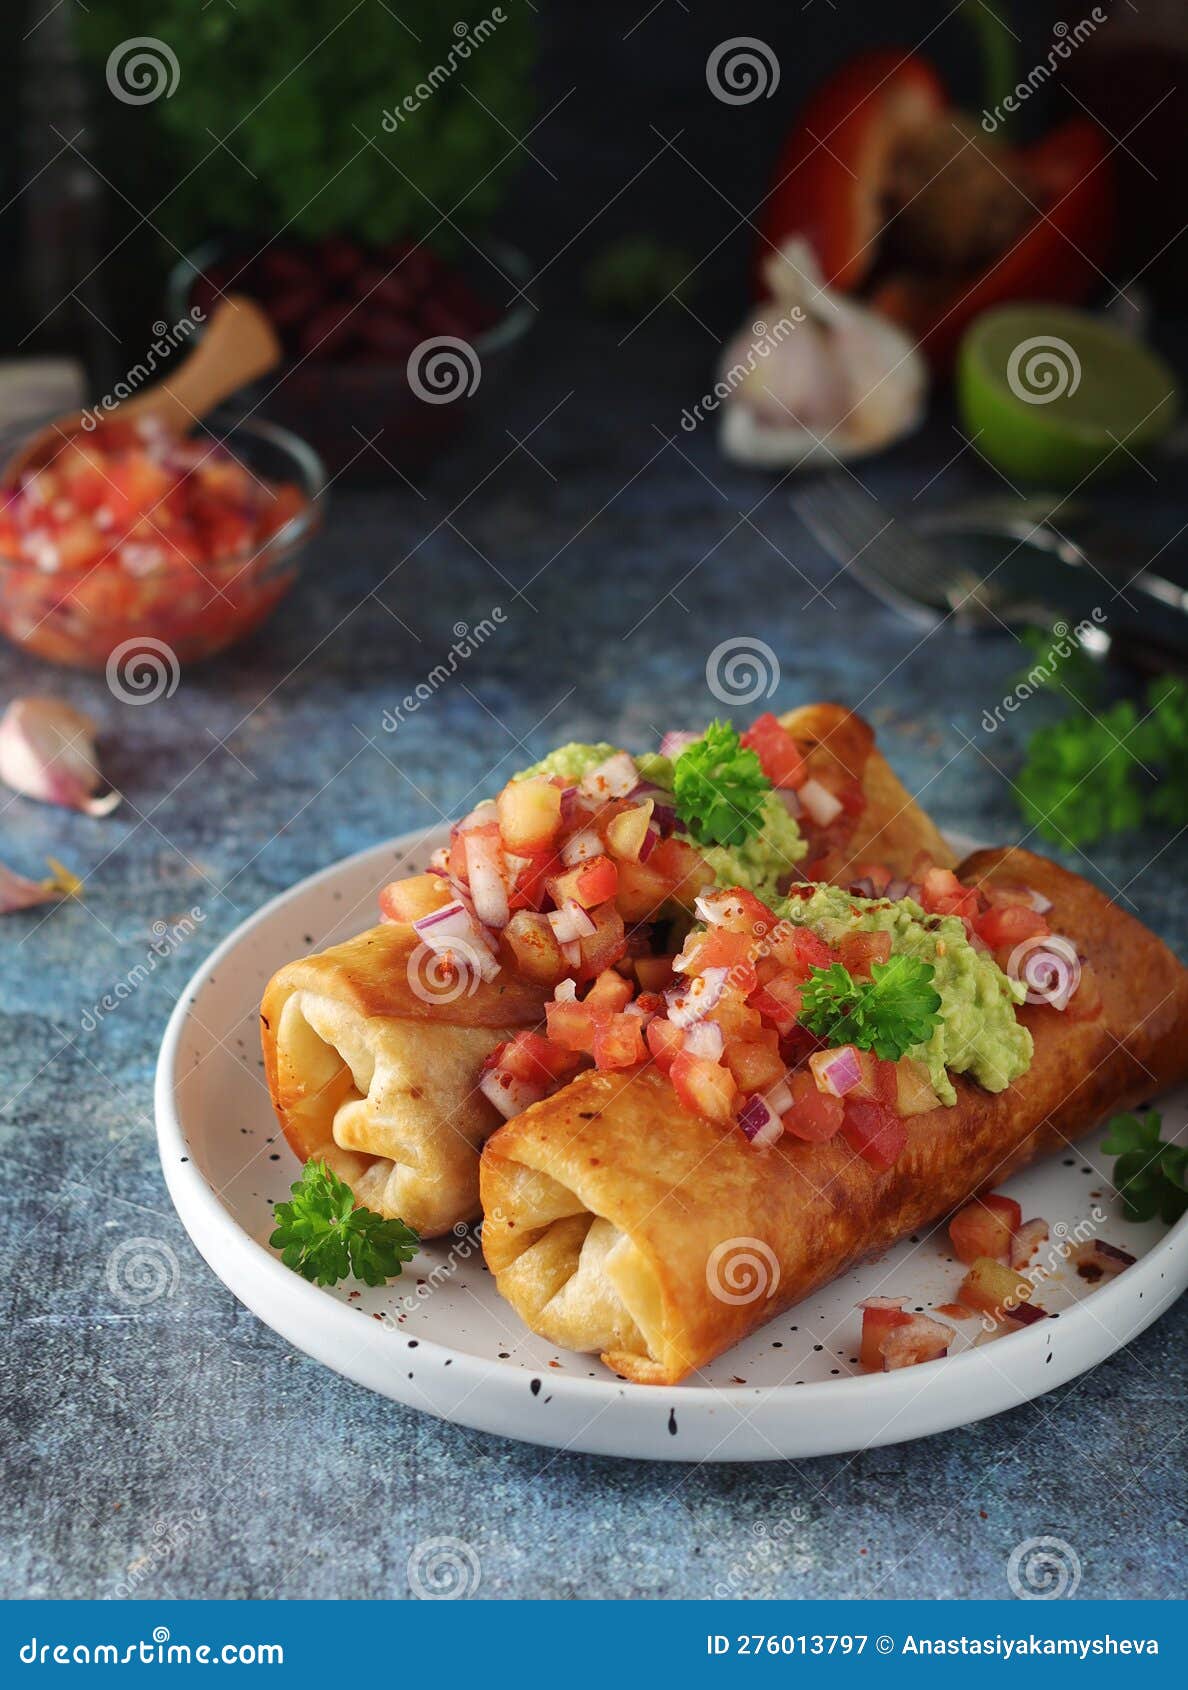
1150, 1175
720, 788
898, 1007
1104, 770
322, 1235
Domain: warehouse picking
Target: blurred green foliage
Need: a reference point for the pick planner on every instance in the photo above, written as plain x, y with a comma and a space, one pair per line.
298, 92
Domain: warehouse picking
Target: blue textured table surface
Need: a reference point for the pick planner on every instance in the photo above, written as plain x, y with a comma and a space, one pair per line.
186, 1450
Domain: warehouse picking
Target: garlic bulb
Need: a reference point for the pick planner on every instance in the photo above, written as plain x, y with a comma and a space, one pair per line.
47, 751
820, 378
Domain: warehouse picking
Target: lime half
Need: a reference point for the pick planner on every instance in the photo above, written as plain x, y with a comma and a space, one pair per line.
1054, 395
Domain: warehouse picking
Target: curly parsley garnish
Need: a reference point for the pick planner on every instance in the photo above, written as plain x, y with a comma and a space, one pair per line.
323, 1237
1150, 1176
720, 788
898, 1007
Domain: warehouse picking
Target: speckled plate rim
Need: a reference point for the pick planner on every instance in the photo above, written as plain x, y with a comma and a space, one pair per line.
609, 1416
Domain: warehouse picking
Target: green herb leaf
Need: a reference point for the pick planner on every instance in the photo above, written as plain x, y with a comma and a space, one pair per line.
322, 1235
1150, 1175
720, 788
898, 1007
1078, 782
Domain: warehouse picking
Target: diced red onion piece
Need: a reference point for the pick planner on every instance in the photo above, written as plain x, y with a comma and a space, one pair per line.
570, 922
920, 1338
650, 841
882, 1303
440, 860
1026, 1242
790, 800
580, 847
1039, 903
484, 865
1107, 1259
571, 951
693, 1002
612, 779
451, 920
511, 1096
864, 888
836, 1071
820, 803
569, 805
759, 1122
897, 889
665, 818
1025, 1314
481, 816
675, 742
565, 991
704, 1038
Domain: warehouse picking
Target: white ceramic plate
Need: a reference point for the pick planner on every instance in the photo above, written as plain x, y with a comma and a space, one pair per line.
440, 1338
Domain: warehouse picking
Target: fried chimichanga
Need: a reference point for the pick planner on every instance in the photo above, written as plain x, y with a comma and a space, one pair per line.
373, 1063
619, 1222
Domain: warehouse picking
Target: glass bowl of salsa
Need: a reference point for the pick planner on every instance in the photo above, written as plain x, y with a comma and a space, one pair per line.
127, 533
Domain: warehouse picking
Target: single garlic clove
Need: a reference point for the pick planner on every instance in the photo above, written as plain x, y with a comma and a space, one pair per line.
47, 751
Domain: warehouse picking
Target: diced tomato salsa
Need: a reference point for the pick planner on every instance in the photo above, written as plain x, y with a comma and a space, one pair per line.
125, 533
551, 880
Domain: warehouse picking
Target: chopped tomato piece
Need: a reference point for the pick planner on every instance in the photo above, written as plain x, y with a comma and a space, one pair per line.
529, 815
985, 1227
799, 949
540, 1061
779, 755
1008, 925
880, 1317
531, 885
703, 1086
610, 991
572, 1025
858, 951
532, 946
685, 870
779, 1001
755, 1063
814, 1115
416, 896
642, 890
739, 911
941, 893
665, 1041
873, 1132
716, 948
606, 945
590, 883
618, 1042
879, 875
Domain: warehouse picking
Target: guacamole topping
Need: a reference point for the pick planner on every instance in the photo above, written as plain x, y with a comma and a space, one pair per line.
978, 1034
758, 864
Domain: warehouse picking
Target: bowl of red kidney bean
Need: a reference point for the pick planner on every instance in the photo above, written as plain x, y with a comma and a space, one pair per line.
389, 349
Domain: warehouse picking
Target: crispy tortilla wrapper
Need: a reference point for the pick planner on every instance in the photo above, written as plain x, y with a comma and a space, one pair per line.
373, 1060
893, 828
617, 1222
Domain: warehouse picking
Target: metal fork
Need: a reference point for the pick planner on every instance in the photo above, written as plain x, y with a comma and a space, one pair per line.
1044, 575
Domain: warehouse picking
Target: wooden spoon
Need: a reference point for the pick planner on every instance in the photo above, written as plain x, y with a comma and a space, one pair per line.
238, 345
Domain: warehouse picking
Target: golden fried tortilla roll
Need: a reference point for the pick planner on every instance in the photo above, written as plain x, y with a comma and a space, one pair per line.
618, 1222
892, 828
373, 1061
